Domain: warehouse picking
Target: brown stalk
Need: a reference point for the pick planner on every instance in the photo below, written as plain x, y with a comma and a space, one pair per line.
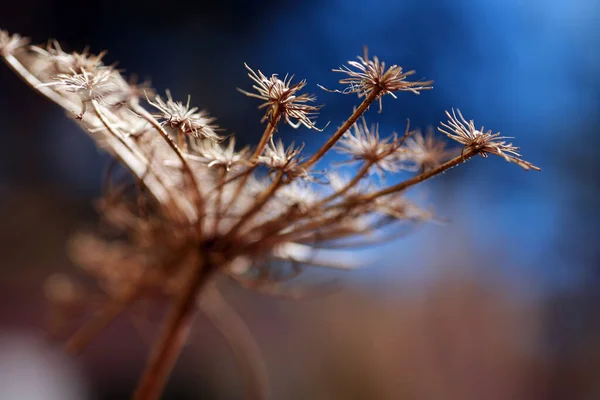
173, 337
466, 154
269, 130
345, 126
267, 134
363, 171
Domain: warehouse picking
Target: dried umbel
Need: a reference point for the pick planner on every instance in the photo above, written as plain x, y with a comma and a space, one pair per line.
205, 210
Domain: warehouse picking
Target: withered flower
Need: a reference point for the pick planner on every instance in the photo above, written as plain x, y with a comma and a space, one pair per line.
364, 144
215, 154
485, 142
66, 62
282, 98
277, 157
88, 85
371, 75
426, 151
187, 121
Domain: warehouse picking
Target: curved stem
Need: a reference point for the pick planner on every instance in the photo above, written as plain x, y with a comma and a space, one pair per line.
242, 343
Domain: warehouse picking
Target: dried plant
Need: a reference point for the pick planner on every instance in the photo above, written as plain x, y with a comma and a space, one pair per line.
203, 210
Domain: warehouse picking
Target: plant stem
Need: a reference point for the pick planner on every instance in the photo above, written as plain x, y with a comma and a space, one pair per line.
173, 337
340, 132
269, 130
267, 134
362, 172
468, 153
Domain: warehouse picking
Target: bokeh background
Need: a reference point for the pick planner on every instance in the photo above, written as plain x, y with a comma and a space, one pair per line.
501, 301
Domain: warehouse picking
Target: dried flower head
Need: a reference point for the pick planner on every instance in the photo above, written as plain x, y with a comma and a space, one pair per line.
483, 141
66, 62
187, 121
88, 85
215, 154
426, 151
371, 76
279, 158
364, 144
10, 43
282, 98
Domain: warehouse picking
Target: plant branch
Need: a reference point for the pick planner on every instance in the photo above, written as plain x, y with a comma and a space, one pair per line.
466, 154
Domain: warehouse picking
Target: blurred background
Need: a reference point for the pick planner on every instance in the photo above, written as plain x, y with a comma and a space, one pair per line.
501, 301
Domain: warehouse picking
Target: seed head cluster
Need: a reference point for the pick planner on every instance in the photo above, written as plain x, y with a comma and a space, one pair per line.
200, 209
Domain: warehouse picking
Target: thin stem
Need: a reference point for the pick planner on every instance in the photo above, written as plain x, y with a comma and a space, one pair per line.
115, 133
267, 134
363, 171
304, 229
188, 175
173, 337
468, 153
242, 343
340, 132
288, 218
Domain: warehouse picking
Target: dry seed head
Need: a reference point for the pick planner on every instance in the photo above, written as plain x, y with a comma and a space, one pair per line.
426, 151
188, 121
371, 75
280, 158
64, 62
486, 142
282, 98
214, 154
90, 85
364, 144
